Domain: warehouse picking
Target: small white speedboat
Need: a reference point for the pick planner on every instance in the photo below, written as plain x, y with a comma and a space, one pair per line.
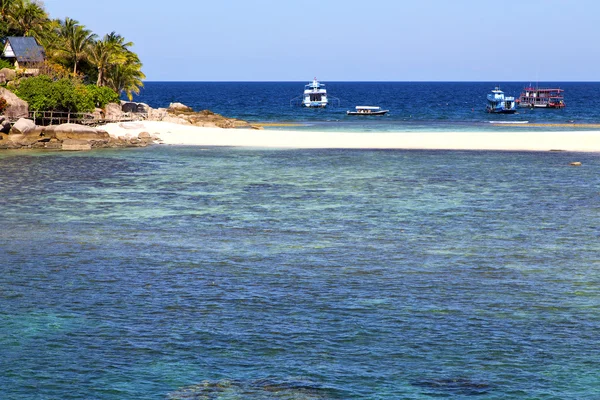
367, 110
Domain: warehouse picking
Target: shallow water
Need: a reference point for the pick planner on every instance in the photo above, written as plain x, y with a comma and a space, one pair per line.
182, 272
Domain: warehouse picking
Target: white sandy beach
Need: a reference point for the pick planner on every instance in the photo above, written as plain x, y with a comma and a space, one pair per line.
514, 140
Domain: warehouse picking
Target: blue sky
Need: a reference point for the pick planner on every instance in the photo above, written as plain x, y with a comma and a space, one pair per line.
350, 40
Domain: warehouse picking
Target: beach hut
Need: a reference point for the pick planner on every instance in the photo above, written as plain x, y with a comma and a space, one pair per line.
25, 52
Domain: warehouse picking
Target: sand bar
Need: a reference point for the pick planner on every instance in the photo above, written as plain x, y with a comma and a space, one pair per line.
518, 140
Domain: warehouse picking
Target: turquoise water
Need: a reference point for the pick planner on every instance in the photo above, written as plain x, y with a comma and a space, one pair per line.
220, 273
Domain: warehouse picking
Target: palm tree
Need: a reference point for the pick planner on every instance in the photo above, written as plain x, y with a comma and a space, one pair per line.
111, 50
5, 10
26, 18
126, 77
77, 41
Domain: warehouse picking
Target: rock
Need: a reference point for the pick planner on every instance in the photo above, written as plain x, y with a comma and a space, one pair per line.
176, 120
143, 108
113, 111
26, 139
137, 108
98, 113
5, 126
144, 136
76, 145
22, 126
9, 74
128, 107
575, 164
17, 108
75, 131
179, 107
157, 114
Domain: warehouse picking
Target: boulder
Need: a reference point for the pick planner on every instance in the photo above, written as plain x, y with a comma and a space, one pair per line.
4, 125
113, 111
157, 114
22, 126
178, 107
9, 74
26, 139
128, 107
98, 113
17, 108
75, 131
76, 145
143, 108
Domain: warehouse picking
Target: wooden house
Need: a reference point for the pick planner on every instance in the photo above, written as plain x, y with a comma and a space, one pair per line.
25, 52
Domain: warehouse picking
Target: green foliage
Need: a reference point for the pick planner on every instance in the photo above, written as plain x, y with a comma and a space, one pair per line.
102, 95
3, 104
6, 64
44, 94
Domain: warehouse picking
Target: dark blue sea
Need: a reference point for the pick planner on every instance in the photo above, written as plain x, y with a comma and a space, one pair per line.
174, 272
413, 105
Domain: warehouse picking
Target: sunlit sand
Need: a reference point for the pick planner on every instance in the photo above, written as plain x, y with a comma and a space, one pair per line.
518, 140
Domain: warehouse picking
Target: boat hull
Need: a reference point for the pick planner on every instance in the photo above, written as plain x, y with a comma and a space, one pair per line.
501, 111
382, 112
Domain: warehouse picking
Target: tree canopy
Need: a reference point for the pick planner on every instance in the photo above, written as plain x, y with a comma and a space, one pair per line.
72, 50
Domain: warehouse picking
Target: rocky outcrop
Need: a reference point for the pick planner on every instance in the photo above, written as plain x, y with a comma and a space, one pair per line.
17, 108
176, 113
26, 135
22, 126
178, 107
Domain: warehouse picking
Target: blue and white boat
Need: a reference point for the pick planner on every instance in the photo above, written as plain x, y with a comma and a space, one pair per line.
315, 95
497, 102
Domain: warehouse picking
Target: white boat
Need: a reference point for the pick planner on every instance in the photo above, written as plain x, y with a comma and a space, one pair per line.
498, 102
367, 110
315, 95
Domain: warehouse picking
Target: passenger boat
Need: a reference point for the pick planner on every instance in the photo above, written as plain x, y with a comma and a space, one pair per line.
497, 102
315, 94
543, 98
367, 110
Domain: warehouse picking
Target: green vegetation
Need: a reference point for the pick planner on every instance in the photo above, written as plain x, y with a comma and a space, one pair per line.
74, 52
46, 94
6, 64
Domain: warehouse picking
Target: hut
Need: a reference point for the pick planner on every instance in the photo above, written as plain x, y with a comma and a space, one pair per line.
25, 52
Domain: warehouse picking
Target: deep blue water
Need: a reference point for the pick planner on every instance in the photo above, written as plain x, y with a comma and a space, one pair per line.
412, 105
208, 273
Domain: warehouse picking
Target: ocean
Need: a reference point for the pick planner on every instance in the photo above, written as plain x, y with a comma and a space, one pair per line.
181, 272
414, 106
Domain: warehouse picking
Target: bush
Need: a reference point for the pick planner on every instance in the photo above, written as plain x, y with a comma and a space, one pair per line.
102, 95
45, 94
6, 64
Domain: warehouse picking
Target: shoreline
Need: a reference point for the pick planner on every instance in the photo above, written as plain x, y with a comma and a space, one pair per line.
518, 140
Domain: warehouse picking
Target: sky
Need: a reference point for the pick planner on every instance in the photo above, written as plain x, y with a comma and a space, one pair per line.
351, 40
